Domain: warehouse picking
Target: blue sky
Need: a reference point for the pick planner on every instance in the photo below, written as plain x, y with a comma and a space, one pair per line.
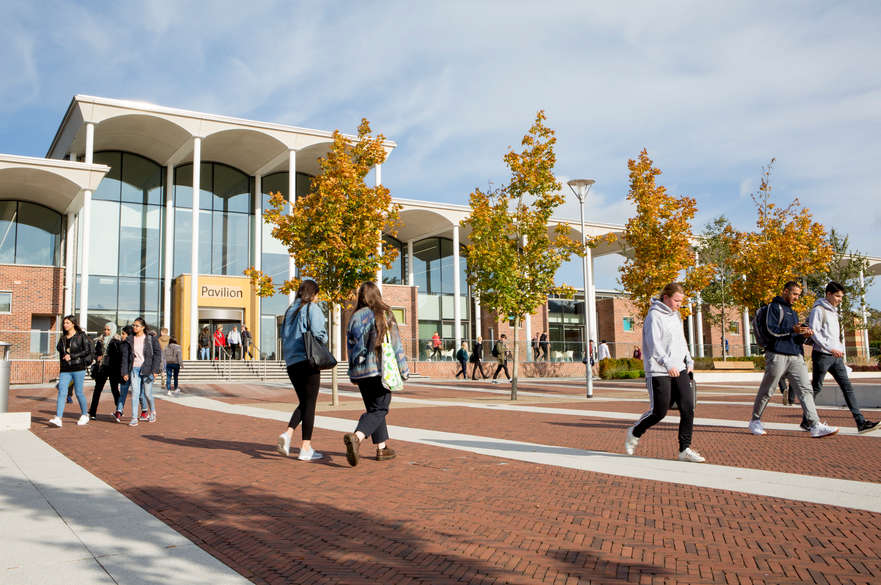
712, 90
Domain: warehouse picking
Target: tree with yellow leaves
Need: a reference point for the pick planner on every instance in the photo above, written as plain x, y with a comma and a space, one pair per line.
513, 258
787, 244
334, 231
658, 239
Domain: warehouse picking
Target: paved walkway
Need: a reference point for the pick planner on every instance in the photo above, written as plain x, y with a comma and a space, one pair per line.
483, 491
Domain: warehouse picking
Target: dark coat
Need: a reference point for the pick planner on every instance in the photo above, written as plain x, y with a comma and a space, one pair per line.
152, 356
781, 319
112, 359
476, 352
79, 348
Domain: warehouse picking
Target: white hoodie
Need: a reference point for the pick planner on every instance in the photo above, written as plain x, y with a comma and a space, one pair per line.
827, 331
663, 341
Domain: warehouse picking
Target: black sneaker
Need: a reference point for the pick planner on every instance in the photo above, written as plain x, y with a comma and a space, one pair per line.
868, 426
805, 426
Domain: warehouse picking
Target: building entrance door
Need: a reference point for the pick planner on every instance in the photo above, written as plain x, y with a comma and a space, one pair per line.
225, 319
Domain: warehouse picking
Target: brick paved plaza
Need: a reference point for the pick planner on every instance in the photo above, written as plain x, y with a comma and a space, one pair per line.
533, 511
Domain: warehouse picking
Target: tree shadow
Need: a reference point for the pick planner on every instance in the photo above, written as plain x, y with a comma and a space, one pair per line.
254, 450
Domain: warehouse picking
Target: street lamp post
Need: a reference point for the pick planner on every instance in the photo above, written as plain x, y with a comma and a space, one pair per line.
581, 187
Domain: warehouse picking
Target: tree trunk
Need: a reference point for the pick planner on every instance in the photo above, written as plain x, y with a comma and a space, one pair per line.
514, 361
724, 325
334, 384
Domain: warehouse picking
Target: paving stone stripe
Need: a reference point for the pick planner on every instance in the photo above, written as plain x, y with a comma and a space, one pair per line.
820, 490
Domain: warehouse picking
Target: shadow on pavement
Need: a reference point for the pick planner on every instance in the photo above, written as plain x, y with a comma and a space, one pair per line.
518, 448
255, 450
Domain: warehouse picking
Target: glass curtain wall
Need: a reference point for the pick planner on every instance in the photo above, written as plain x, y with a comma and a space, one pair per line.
433, 274
125, 242
566, 328
29, 234
395, 274
274, 261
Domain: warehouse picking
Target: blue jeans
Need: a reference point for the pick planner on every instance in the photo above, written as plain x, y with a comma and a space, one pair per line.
203, 353
64, 379
826, 362
171, 370
134, 384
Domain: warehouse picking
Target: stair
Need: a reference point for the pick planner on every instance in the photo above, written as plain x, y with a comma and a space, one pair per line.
245, 371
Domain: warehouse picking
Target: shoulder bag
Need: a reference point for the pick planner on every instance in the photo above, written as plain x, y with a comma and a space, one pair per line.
317, 354
391, 374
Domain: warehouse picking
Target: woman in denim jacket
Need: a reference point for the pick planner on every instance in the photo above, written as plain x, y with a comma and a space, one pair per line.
305, 379
367, 328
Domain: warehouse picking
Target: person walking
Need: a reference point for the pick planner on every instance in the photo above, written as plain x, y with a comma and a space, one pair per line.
545, 345
436, 346
477, 359
500, 352
367, 329
301, 315
124, 357
74, 353
173, 359
204, 344
535, 349
234, 341
106, 357
603, 351
163, 338
828, 354
143, 362
637, 353
246, 343
668, 366
219, 343
462, 358
784, 356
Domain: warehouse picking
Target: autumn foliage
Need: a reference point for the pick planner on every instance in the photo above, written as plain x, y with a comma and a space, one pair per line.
659, 239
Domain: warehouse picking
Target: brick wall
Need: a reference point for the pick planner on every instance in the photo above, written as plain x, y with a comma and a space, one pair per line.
610, 326
713, 332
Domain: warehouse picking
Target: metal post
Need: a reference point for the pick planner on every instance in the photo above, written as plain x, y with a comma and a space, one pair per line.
4, 376
581, 187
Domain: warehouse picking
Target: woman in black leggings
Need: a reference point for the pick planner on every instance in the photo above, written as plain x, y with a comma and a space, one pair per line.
302, 313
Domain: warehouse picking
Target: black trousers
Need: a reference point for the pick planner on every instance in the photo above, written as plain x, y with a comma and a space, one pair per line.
478, 367
99, 387
377, 399
462, 367
307, 383
663, 391
502, 366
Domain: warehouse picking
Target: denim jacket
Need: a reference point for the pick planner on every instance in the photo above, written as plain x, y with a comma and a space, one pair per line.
361, 340
293, 328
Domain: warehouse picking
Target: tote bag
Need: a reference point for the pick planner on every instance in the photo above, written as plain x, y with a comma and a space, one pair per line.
317, 354
391, 375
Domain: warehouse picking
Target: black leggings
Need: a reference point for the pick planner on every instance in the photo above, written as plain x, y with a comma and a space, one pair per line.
663, 391
377, 399
478, 367
99, 387
307, 382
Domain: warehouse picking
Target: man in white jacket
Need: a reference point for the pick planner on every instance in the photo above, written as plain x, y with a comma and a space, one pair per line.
667, 365
828, 353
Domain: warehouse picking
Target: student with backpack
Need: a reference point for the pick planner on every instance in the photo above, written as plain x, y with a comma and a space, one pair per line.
778, 330
462, 358
500, 352
76, 353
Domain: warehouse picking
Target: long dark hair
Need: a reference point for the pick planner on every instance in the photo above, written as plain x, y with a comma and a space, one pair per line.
369, 296
307, 292
76, 325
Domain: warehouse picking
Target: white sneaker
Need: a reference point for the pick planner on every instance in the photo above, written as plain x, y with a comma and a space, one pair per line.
691, 455
495, 381
284, 445
822, 430
55, 422
310, 455
83, 420
756, 428
630, 442
168, 392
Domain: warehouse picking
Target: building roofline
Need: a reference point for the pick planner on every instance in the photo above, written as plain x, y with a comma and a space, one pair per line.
53, 162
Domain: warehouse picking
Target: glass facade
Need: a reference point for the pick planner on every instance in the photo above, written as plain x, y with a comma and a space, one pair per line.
397, 273
566, 328
29, 234
433, 274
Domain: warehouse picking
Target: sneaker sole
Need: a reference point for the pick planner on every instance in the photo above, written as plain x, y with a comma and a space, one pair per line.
352, 455
279, 446
835, 432
869, 430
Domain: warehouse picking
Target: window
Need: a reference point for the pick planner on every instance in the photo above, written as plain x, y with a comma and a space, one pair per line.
29, 234
41, 326
400, 315
733, 327
627, 323
5, 302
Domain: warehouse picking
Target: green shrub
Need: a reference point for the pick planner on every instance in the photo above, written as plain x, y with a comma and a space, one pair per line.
611, 368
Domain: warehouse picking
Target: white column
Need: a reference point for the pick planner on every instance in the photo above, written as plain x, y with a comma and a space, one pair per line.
90, 143
591, 300
86, 215
169, 246
477, 324
527, 329
457, 319
411, 271
337, 333
69, 261
378, 178
865, 330
194, 250
258, 223
747, 346
700, 327
690, 322
292, 199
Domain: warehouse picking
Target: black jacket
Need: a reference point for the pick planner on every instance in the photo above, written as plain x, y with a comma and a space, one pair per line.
476, 351
781, 318
112, 358
152, 356
79, 348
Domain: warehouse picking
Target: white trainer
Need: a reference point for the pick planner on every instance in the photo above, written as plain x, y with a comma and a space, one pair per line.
83, 420
691, 455
55, 422
756, 428
310, 455
284, 445
822, 430
630, 442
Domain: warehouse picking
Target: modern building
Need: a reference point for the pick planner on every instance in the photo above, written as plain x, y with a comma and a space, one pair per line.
109, 227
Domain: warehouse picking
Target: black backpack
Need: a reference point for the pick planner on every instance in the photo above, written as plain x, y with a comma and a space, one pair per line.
495, 350
760, 326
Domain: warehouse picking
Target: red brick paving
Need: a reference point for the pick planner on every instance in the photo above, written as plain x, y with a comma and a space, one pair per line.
436, 516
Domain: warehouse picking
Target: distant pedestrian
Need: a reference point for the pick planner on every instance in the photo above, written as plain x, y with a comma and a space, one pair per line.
234, 342
500, 352
204, 344
301, 315
74, 352
163, 343
592, 358
828, 353
146, 361
106, 357
536, 351
219, 343
174, 359
477, 359
603, 352
246, 343
436, 346
462, 358
668, 365
368, 327
637, 353
545, 345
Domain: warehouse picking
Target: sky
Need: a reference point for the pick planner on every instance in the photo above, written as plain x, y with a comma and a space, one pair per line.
712, 90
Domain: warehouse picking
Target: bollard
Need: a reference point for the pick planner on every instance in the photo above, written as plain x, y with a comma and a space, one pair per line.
4, 376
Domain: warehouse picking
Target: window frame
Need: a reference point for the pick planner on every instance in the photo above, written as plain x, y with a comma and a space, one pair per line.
7, 292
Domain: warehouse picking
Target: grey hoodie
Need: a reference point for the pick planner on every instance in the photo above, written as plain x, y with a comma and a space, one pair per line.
827, 331
663, 341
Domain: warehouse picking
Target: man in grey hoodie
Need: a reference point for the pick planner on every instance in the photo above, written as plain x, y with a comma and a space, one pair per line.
667, 367
828, 353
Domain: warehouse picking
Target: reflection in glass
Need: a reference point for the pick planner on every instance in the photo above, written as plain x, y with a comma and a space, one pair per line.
183, 241
8, 214
394, 274
104, 239
110, 184
232, 190
230, 243
139, 240
29, 234
141, 180
102, 292
138, 294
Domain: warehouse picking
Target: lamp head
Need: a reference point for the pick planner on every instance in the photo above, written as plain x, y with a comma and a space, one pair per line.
580, 187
